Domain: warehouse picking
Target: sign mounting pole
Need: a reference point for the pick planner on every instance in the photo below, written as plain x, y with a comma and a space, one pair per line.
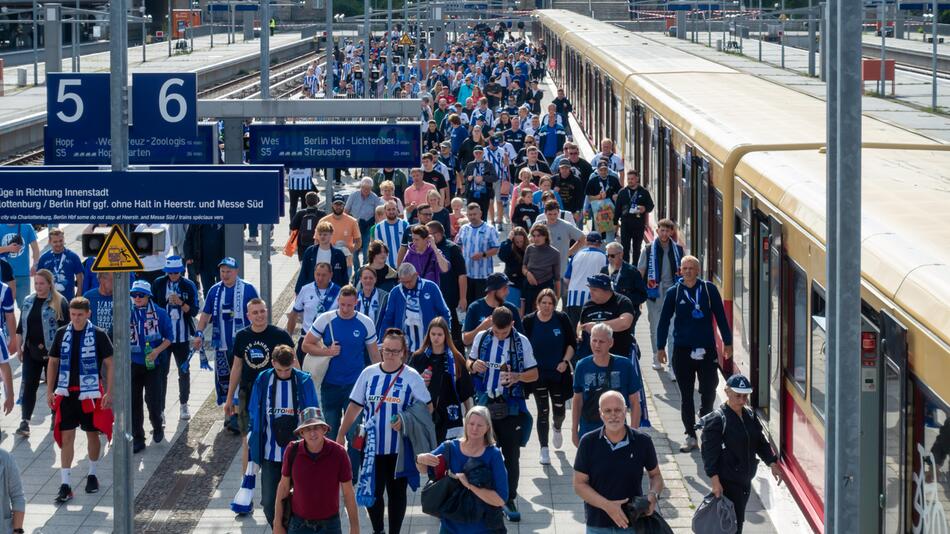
123, 491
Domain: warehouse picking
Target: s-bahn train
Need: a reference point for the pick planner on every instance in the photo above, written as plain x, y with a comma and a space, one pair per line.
739, 163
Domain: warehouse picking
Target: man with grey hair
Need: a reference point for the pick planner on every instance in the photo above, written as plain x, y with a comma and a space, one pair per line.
361, 205
412, 306
597, 374
625, 278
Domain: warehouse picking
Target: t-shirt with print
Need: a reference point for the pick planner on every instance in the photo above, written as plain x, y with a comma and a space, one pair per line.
254, 349
18, 233
369, 392
103, 351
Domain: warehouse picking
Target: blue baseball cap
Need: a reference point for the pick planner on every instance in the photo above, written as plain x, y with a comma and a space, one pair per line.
740, 384
496, 281
141, 286
599, 281
594, 237
228, 262
174, 264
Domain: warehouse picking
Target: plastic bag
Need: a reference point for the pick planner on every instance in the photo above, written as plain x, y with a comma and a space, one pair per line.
652, 524
716, 515
290, 247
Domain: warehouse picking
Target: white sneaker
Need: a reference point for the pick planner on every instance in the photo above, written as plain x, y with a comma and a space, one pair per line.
545, 456
672, 374
185, 414
690, 444
657, 366
557, 439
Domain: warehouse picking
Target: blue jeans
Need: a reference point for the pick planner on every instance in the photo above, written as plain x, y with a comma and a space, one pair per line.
609, 530
327, 526
335, 399
514, 296
365, 225
22, 289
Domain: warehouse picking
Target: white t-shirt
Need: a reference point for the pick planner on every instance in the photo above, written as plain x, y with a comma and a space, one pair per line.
310, 302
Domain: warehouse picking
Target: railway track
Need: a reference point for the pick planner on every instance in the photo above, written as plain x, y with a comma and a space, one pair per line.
285, 81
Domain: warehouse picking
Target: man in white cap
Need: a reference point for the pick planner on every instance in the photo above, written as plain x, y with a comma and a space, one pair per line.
151, 334
178, 296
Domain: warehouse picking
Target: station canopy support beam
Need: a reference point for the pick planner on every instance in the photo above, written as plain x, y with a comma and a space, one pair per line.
319, 109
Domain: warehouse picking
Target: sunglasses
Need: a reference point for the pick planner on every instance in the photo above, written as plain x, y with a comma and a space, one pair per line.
139, 295
612, 255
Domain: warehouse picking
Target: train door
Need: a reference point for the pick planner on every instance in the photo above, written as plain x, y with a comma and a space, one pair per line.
685, 215
772, 299
673, 180
701, 212
637, 139
895, 465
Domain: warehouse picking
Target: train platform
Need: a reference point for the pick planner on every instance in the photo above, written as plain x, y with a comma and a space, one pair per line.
909, 108
20, 102
915, 43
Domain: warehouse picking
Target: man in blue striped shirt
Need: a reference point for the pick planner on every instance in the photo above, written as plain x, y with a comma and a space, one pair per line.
390, 232
179, 297
479, 242
299, 182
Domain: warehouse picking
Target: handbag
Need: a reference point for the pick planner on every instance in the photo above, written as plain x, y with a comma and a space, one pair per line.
436, 492
497, 408
360, 441
635, 509
290, 247
715, 515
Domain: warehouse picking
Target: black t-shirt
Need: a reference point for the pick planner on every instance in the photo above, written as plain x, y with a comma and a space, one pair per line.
615, 306
103, 350
255, 350
6, 272
571, 192
449, 280
615, 474
598, 185
525, 215
435, 178
443, 393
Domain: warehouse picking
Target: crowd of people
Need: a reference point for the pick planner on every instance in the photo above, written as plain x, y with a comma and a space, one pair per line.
429, 307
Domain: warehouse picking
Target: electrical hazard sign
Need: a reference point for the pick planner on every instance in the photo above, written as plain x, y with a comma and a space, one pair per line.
117, 255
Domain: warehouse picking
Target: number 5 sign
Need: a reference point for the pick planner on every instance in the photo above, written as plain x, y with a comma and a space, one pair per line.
164, 105
77, 104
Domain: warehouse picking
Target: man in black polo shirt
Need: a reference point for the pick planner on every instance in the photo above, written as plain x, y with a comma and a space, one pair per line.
606, 305
454, 283
608, 468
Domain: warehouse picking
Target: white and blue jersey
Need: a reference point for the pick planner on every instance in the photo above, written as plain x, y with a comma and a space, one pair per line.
227, 308
283, 406
497, 355
368, 393
614, 162
300, 179
6, 306
391, 234
582, 265
64, 266
312, 301
353, 335
474, 239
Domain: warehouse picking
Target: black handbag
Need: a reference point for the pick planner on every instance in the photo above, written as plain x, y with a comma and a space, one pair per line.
436, 492
635, 508
497, 408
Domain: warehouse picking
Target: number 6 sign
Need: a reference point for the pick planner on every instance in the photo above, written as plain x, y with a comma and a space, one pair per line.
164, 105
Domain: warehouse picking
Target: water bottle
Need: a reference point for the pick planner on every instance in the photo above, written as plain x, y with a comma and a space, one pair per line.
149, 364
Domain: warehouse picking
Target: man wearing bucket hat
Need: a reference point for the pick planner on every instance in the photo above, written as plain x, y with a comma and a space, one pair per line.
178, 296
151, 334
732, 439
317, 478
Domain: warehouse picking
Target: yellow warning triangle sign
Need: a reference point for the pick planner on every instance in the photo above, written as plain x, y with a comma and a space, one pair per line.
406, 40
117, 255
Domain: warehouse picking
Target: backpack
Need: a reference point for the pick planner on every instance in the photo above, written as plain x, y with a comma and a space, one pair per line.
308, 227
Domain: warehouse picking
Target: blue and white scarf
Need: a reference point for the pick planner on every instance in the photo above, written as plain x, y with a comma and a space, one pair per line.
515, 360
635, 358
369, 306
413, 323
88, 364
243, 502
144, 330
222, 362
366, 486
653, 270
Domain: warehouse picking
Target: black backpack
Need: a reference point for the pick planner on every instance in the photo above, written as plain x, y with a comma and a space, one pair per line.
308, 227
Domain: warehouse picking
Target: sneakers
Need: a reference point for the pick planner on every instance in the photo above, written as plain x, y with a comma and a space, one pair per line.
557, 439
251, 241
138, 447
511, 511
545, 456
158, 435
689, 445
65, 494
23, 430
184, 414
92, 484
657, 366
671, 374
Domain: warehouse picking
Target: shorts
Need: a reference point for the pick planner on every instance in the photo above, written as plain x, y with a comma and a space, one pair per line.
244, 419
72, 416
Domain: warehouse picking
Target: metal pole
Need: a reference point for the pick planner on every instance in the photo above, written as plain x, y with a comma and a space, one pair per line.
822, 35
367, 70
883, 15
759, 16
389, 41
782, 37
169, 34
123, 491
709, 25
405, 31
328, 173
829, 47
142, 12
933, 65
36, 52
265, 54
75, 40
811, 39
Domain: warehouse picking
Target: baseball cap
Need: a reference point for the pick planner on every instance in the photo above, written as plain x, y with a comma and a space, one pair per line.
339, 198
496, 281
602, 163
593, 237
599, 281
740, 384
564, 163
478, 148
174, 264
312, 416
141, 286
228, 262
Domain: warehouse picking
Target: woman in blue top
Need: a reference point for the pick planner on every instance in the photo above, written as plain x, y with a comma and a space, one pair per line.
477, 443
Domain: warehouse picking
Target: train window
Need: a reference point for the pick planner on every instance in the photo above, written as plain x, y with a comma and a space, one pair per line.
715, 235
931, 436
743, 284
819, 350
798, 329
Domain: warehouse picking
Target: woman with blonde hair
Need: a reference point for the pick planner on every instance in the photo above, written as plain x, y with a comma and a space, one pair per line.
470, 456
44, 311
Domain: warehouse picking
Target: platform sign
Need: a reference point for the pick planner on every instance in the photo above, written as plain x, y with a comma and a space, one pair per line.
246, 7
117, 255
249, 196
337, 145
77, 109
143, 149
164, 106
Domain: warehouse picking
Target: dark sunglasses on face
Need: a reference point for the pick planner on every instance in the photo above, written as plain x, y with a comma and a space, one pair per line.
138, 295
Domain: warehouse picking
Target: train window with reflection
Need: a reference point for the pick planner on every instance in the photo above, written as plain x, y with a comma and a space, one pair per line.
931, 495
799, 328
715, 235
819, 352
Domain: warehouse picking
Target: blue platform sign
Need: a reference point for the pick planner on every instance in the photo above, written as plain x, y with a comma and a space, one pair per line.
77, 108
47, 194
165, 105
337, 145
144, 149
245, 7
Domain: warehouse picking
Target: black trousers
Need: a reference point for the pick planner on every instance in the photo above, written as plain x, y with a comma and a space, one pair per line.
456, 326
508, 437
146, 391
297, 195
32, 370
209, 277
476, 289
631, 237
545, 389
180, 351
395, 489
739, 495
687, 370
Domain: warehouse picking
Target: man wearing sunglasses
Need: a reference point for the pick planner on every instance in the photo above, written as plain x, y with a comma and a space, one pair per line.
151, 332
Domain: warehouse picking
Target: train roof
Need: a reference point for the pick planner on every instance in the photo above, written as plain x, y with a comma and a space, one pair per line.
905, 193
